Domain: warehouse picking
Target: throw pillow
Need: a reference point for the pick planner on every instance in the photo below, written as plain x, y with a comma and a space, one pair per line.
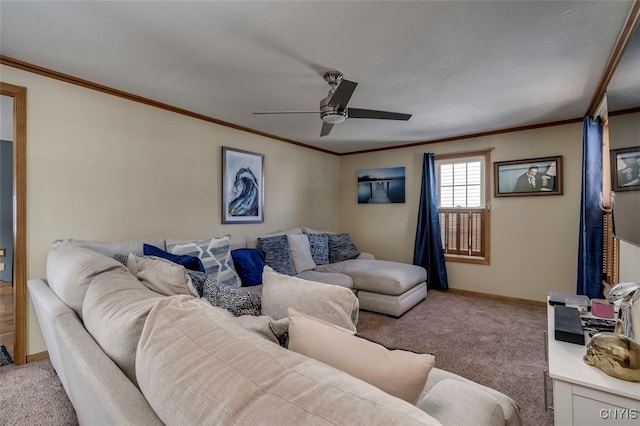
276, 254
341, 248
249, 265
160, 275
319, 246
334, 304
400, 373
215, 255
237, 301
300, 252
190, 262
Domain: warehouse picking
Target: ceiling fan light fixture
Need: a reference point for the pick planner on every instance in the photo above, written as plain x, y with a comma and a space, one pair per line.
334, 117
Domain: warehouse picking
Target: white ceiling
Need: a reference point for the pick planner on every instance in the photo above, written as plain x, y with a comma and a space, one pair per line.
460, 67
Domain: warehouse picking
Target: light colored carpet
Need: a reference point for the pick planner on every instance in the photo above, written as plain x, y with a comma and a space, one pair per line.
32, 394
496, 343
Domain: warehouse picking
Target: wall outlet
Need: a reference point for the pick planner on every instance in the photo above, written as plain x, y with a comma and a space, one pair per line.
3, 252
1, 266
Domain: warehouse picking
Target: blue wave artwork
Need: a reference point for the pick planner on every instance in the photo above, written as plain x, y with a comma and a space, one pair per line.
381, 185
246, 191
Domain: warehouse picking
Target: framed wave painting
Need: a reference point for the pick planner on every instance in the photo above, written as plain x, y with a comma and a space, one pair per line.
242, 186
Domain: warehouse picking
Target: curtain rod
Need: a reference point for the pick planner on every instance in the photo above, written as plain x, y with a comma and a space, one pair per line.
466, 152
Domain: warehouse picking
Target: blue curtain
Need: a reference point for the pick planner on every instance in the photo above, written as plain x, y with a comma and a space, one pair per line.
591, 215
428, 248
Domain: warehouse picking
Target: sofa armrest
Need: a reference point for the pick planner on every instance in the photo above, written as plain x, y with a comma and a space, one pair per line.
510, 408
367, 256
453, 402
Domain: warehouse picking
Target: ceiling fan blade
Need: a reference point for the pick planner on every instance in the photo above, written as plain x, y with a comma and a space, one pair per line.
343, 93
326, 129
285, 112
372, 113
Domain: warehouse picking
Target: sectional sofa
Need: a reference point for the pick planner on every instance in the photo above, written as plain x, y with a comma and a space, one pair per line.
130, 354
390, 288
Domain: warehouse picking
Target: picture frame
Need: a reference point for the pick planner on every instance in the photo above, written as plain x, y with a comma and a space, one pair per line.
625, 169
529, 177
242, 186
381, 186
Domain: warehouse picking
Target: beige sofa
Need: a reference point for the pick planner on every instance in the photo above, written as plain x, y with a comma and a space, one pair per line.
191, 363
389, 288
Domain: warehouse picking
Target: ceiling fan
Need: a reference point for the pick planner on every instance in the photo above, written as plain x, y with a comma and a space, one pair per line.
333, 108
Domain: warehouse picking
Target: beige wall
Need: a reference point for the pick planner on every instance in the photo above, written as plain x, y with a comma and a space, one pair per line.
101, 167
533, 239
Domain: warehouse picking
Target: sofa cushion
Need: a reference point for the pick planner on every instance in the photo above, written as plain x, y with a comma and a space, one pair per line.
334, 304
114, 311
195, 366
249, 264
341, 248
215, 254
319, 247
342, 280
109, 248
161, 275
190, 262
300, 252
70, 269
276, 254
400, 373
453, 402
379, 276
510, 408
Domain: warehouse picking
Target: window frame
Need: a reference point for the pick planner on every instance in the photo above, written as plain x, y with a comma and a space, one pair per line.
485, 155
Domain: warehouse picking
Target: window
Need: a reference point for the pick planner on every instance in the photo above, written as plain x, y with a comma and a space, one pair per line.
463, 197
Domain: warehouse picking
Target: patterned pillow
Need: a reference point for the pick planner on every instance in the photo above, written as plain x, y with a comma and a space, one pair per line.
238, 302
122, 258
276, 254
215, 255
341, 248
319, 244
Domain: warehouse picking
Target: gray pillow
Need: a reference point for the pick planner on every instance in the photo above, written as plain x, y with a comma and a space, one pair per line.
276, 254
319, 244
341, 248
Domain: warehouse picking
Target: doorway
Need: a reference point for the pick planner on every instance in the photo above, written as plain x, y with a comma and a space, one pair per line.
14, 256
7, 322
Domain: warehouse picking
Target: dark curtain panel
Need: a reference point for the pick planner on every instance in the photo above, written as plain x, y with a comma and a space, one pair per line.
591, 215
428, 248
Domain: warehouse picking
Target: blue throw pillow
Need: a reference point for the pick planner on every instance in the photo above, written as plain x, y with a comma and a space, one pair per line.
249, 264
190, 262
276, 254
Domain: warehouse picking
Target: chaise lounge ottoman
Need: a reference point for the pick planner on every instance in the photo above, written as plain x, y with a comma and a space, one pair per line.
383, 286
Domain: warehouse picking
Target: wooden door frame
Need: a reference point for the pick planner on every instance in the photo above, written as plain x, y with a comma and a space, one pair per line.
19, 95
